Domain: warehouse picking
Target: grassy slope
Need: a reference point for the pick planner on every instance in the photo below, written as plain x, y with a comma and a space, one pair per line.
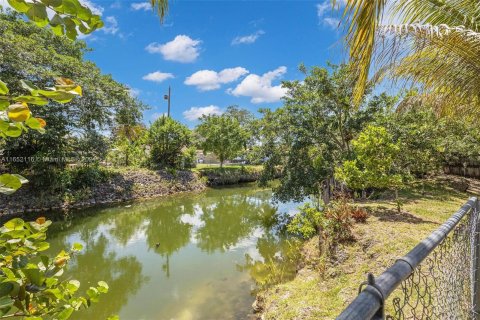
386, 236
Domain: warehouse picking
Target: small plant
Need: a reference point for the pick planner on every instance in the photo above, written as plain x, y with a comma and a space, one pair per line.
339, 220
360, 215
307, 222
333, 224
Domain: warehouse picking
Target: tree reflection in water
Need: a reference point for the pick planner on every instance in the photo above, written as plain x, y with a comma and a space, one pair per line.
119, 242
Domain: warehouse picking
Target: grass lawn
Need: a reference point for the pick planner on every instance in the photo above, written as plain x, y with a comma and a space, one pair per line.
386, 236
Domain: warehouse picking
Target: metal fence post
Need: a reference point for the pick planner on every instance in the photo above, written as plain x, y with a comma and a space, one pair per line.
476, 262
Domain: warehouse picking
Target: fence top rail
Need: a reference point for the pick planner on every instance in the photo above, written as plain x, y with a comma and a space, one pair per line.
368, 304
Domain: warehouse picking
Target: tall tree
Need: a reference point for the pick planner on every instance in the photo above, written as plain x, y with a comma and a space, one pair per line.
167, 138
223, 135
105, 105
311, 134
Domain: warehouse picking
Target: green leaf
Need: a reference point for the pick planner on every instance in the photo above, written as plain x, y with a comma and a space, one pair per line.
70, 28
32, 99
58, 96
93, 294
19, 5
9, 183
58, 30
28, 85
52, 3
77, 247
4, 125
66, 313
4, 105
33, 123
9, 274
33, 275
54, 293
3, 88
5, 288
56, 21
23, 180
13, 131
73, 286
42, 246
38, 14
102, 287
6, 302
14, 224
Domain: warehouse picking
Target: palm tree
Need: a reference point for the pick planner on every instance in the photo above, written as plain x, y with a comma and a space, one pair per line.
432, 43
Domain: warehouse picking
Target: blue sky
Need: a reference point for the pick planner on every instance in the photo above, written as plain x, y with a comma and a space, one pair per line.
212, 53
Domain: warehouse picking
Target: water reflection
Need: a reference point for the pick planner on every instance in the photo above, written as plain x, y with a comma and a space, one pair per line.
185, 257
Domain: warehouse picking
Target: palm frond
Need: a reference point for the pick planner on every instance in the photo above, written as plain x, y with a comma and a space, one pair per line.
444, 60
362, 18
161, 6
451, 12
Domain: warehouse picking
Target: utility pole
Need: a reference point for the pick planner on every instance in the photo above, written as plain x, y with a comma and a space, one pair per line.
167, 97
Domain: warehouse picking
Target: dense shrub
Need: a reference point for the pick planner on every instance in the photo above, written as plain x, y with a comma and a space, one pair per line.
167, 138
333, 223
307, 222
62, 180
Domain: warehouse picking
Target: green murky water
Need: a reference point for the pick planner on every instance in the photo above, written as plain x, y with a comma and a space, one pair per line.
194, 256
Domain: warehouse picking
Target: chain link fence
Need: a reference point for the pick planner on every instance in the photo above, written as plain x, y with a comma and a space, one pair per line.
438, 279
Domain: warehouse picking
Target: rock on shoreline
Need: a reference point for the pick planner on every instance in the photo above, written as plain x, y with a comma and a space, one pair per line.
123, 186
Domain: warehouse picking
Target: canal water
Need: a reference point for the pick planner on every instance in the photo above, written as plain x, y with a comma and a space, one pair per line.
194, 256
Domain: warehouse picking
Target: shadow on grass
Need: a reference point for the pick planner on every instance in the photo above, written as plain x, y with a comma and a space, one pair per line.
391, 215
430, 191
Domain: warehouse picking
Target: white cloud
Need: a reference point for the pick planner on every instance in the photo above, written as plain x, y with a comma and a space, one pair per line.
251, 38
260, 88
157, 76
111, 25
95, 8
331, 22
322, 8
326, 13
195, 113
116, 5
181, 49
145, 6
206, 80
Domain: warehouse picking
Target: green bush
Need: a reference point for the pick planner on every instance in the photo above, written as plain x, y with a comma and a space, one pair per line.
56, 180
167, 138
333, 224
306, 222
189, 158
88, 176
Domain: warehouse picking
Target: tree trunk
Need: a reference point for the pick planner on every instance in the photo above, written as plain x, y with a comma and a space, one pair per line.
321, 243
326, 192
399, 207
